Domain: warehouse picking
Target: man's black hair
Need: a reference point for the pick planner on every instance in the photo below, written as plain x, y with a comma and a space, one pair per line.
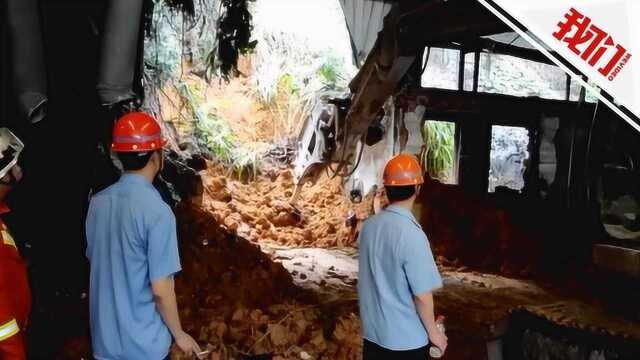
399, 193
134, 161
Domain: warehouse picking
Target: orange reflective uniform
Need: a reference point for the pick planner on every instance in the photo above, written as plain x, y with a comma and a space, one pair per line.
15, 296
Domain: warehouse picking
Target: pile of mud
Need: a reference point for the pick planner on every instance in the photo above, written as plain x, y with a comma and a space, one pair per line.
472, 231
504, 233
240, 303
260, 210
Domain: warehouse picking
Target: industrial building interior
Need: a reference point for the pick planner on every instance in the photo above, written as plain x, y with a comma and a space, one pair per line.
539, 247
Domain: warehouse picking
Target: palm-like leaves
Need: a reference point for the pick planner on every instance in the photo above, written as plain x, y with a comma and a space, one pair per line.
438, 154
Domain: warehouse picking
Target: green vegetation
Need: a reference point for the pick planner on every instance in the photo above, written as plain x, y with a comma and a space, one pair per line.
214, 134
332, 73
438, 154
174, 39
290, 76
200, 42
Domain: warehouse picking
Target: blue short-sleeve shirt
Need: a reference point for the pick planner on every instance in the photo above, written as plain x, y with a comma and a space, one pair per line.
131, 241
395, 264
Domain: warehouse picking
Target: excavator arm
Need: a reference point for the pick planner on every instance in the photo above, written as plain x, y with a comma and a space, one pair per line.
408, 27
334, 134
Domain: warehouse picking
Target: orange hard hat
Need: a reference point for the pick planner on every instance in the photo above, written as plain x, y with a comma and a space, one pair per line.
402, 170
137, 132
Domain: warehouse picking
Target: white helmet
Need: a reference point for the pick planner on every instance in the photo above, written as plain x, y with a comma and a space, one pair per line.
10, 149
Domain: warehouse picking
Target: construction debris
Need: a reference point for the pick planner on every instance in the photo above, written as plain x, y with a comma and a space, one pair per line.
238, 303
260, 211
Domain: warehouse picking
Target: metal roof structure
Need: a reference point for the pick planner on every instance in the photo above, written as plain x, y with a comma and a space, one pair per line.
364, 20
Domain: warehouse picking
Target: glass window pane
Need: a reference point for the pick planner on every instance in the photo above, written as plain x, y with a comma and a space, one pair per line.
509, 150
442, 68
504, 74
469, 60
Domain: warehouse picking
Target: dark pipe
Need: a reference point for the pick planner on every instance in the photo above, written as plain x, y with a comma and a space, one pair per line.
119, 51
25, 37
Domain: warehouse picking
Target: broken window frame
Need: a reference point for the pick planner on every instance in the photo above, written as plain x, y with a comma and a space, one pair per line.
425, 62
532, 156
464, 50
529, 70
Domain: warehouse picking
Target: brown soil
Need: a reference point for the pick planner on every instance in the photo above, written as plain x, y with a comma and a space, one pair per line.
260, 210
239, 302
253, 125
476, 232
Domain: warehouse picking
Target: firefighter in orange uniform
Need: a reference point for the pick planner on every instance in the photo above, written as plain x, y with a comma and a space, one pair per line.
15, 297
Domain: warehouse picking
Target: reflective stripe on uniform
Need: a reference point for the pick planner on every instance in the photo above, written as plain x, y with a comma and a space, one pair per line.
9, 329
7, 239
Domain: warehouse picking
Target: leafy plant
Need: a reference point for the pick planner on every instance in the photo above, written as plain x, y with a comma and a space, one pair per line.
211, 131
214, 134
234, 37
205, 38
437, 155
289, 77
332, 73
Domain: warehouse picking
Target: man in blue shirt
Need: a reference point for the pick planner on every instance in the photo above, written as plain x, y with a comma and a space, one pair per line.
133, 250
397, 273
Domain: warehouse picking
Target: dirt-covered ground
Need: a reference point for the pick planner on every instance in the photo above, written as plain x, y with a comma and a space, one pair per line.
237, 301
260, 210
262, 277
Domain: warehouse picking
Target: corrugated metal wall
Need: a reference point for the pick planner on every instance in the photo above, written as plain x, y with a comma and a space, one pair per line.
364, 20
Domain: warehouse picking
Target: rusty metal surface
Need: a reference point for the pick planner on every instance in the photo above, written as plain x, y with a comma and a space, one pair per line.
481, 305
586, 317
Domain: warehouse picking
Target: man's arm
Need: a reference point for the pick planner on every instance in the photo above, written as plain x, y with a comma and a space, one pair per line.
423, 277
424, 305
12, 345
164, 262
165, 298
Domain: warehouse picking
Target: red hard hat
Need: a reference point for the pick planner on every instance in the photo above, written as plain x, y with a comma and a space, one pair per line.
402, 170
137, 132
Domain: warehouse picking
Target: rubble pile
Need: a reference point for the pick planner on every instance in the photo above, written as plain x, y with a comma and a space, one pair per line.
477, 233
240, 303
260, 210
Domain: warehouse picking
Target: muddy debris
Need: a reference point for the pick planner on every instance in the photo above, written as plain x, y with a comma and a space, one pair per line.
238, 303
261, 211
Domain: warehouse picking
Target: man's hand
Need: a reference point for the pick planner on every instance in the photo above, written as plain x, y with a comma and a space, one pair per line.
424, 305
437, 338
187, 344
165, 298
